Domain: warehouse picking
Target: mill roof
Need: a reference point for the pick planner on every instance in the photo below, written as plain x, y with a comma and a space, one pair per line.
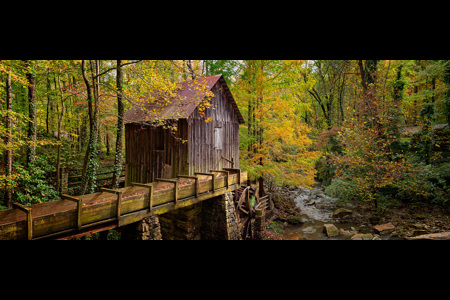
181, 107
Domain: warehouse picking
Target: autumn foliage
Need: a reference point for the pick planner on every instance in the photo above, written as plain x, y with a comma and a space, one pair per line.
274, 141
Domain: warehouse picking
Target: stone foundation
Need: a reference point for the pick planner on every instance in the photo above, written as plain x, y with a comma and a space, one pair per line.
147, 229
212, 219
182, 224
219, 219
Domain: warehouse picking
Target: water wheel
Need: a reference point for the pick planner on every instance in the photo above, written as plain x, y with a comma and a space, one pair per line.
247, 201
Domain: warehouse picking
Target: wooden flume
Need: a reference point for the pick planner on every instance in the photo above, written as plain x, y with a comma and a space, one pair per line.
112, 207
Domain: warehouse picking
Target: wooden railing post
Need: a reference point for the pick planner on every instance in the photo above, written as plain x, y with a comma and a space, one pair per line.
150, 193
175, 188
27, 210
79, 207
64, 181
213, 179
119, 199
196, 182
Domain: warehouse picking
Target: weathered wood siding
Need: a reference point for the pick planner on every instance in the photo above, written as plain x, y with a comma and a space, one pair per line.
208, 141
155, 152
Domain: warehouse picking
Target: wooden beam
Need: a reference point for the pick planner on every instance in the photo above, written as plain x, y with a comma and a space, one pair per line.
230, 161
163, 208
94, 229
85, 228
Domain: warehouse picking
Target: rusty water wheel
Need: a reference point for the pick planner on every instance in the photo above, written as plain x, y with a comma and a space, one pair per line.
245, 212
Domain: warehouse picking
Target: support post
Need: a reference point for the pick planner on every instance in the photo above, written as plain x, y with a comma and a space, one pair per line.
27, 210
237, 171
213, 179
225, 172
196, 182
259, 224
79, 207
175, 188
150, 193
119, 199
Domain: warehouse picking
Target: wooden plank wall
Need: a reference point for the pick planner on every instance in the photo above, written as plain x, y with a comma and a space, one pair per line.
203, 155
150, 151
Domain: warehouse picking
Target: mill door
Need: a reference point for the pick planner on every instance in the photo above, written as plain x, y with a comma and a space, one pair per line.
218, 146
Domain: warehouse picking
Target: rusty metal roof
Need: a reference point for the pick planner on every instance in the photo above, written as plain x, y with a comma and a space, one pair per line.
188, 97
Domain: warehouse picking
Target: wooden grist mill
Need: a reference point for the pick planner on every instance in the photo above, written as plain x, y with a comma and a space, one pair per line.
180, 184
197, 146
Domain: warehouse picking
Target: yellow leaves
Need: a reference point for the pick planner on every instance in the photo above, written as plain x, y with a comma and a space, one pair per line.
208, 120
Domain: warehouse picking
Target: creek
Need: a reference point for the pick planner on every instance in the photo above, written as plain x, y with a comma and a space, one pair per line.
316, 211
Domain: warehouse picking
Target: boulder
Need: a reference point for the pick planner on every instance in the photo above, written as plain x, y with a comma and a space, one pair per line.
310, 202
432, 236
367, 236
357, 236
362, 236
384, 228
341, 212
344, 232
330, 230
320, 195
295, 220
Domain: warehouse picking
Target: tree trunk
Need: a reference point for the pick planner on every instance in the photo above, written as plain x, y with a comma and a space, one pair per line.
250, 125
447, 91
368, 76
60, 118
191, 70
341, 108
31, 152
8, 141
397, 97
107, 142
48, 102
120, 114
91, 158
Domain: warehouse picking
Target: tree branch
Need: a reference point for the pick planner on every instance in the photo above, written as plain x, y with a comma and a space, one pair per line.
115, 68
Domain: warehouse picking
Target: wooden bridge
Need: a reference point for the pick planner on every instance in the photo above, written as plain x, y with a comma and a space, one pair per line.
76, 216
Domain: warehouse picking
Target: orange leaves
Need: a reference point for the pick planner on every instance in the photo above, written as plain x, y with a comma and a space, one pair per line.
275, 134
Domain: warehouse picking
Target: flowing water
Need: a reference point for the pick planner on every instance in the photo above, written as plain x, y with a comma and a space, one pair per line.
316, 210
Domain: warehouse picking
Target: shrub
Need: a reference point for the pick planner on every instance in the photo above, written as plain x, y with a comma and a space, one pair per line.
345, 190
325, 170
30, 185
425, 184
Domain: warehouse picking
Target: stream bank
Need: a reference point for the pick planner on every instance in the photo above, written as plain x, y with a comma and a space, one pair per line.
309, 214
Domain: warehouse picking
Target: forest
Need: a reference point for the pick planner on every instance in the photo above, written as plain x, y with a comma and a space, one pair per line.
370, 130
